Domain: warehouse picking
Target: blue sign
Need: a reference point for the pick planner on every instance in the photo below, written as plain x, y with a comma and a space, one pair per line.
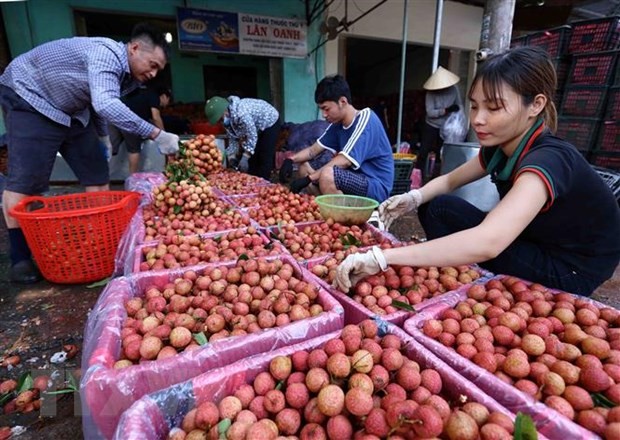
212, 31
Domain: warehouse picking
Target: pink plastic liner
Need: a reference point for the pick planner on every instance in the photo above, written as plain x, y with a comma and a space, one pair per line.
138, 257
548, 421
378, 235
107, 392
132, 237
144, 184
356, 312
154, 415
234, 199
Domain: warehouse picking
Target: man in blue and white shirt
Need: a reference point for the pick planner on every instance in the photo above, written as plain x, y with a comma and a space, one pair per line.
59, 97
363, 164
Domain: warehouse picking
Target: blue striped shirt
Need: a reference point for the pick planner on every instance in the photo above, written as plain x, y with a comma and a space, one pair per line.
78, 78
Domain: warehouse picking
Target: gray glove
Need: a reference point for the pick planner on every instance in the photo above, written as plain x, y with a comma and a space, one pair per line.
167, 143
106, 145
396, 206
244, 164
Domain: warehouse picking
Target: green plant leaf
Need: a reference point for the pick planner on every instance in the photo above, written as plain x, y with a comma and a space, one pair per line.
600, 400
524, 428
279, 385
24, 382
403, 306
63, 391
4, 398
99, 283
222, 428
243, 257
200, 338
72, 382
176, 209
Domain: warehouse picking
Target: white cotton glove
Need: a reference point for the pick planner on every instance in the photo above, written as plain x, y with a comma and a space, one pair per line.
167, 143
396, 206
106, 146
358, 266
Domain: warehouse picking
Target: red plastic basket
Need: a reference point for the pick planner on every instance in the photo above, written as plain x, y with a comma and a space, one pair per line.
520, 41
613, 104
554, 41
595, 35
581, 132
594, 69
609, 137
588, 101
562, 66
73, 238
606, 160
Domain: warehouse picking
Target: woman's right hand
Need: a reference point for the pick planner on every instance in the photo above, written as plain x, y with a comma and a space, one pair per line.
396, 206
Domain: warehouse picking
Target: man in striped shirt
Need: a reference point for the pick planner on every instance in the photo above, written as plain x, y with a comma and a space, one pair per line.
59, 98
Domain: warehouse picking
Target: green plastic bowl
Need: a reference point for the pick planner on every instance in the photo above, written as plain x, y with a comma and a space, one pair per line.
346, 209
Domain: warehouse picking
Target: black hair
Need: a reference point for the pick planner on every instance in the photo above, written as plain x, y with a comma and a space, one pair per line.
332, 88
150, 35
528, 71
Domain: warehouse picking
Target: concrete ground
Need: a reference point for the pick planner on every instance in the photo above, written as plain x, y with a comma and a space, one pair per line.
36, 321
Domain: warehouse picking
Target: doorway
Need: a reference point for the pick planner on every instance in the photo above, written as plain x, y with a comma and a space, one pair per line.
230, 80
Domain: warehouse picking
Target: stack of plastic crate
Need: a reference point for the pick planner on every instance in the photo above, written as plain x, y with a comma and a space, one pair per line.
585, 117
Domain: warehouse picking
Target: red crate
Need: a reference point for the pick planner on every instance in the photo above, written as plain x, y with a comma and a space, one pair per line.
595, 35
613, 104
584, 101
606, 160
520, 41
609, 137
581, 132
594, 69
562, 67
554, 41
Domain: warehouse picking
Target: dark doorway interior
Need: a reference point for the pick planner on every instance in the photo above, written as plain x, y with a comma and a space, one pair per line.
229, 80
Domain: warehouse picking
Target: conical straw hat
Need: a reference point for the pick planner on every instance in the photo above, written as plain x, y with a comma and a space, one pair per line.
441, 79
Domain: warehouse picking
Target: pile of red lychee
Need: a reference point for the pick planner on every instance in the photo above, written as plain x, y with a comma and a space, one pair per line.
356, 386
180, 251
248, 297
203, 153
406, 284
305, 242
558, 348
232, 182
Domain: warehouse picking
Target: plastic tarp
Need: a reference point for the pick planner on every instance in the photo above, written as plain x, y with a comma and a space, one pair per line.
154, 415
548, 421
106, 392
142, 183
356, 312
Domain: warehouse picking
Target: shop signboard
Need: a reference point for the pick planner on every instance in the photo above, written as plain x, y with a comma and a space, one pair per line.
248, 34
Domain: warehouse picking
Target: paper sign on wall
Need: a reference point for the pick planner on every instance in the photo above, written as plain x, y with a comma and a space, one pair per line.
213, 31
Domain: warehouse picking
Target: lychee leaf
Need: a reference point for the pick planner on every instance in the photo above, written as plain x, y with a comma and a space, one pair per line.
4, 398
601, 400
222, 428
403, 306
524, 428
25, 382
280, 385
200, 338
99, 283
243, 257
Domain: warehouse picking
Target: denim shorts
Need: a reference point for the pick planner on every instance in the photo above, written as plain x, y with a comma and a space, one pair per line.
34, 140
